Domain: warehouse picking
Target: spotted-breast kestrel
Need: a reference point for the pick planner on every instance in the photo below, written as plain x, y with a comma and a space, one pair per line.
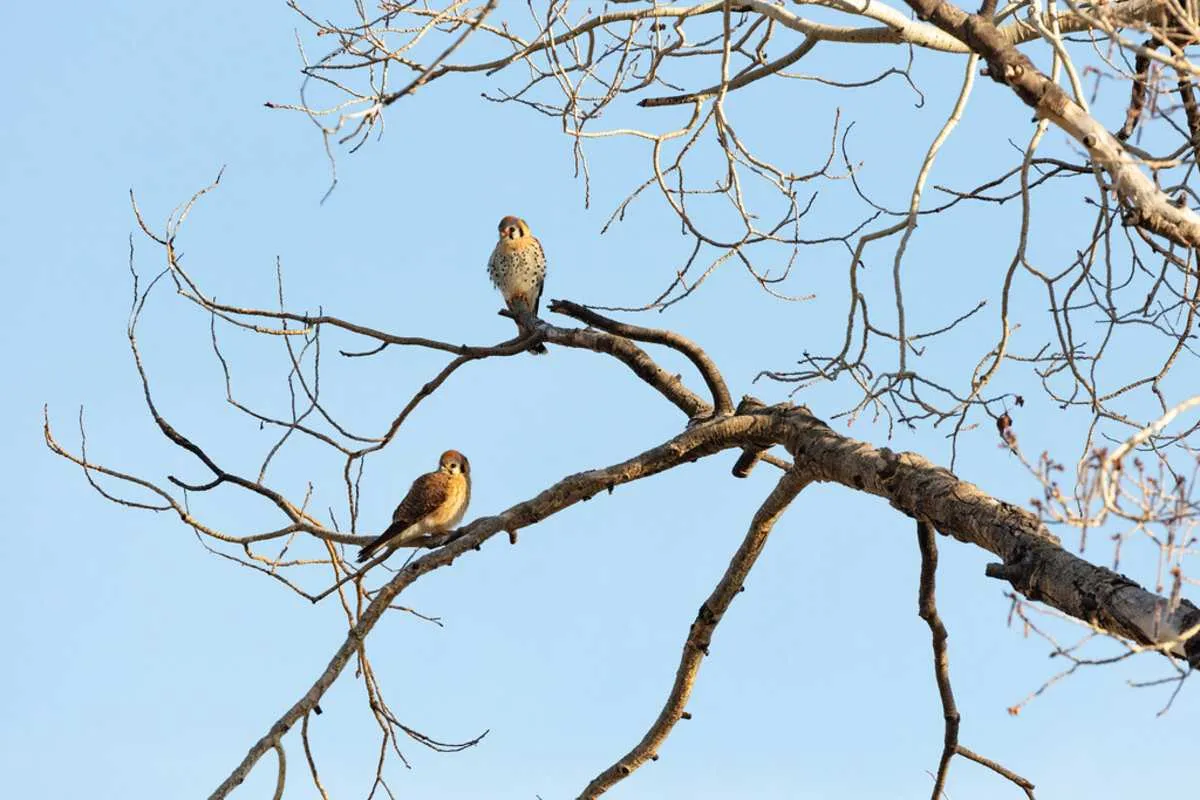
518, 269
435, 504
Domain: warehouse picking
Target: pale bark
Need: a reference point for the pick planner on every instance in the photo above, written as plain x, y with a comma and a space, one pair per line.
1144, 204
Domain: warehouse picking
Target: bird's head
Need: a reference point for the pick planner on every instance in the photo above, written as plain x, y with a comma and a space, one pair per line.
454, 463
513, 228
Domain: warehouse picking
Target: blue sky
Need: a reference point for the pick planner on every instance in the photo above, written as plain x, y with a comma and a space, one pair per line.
141, 666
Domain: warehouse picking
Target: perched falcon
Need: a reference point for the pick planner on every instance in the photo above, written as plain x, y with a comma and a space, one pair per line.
435, 504
518, 269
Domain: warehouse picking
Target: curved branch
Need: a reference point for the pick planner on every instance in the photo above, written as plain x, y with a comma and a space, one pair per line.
722, 404
745, 79
170, 503
1146, 205
280, 781
668, 384
1034, 562
421, 79
927, 610
697, 442
695, 648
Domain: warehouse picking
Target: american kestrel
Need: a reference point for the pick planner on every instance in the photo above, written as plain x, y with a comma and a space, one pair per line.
518, 269
435, 504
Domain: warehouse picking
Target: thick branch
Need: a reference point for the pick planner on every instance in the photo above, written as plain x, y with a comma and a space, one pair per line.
1034, 562
695, 648
1146, 205
697, 442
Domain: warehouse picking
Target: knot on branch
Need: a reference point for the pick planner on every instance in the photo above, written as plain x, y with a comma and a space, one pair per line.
746, 461
750, 404
891, 465
751, 454
1053, 102
756, 449
1007, 70
1019, 572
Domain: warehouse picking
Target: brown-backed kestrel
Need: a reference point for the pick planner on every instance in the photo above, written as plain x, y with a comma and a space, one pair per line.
518, 269
435, 504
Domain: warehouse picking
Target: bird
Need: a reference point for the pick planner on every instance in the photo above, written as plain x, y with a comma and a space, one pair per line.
518, 269
434, 504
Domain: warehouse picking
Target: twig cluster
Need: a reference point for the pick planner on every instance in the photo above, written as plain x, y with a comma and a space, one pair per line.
1133, 282
1134, 273
312, 543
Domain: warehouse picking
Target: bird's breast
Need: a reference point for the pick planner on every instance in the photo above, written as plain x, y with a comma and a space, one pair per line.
455, 506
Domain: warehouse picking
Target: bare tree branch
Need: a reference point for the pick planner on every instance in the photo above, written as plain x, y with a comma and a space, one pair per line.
999, 769
1146, 205
695, 648
745, 201
699, 441
927, 608
722, 404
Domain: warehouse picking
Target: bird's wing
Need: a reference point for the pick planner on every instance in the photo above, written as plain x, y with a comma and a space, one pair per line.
491, 265
427, 493
537, 293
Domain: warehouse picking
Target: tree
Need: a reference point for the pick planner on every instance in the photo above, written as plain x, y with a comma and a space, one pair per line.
1130, 274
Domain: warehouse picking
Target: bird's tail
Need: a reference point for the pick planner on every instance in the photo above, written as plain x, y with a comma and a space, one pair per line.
382, 539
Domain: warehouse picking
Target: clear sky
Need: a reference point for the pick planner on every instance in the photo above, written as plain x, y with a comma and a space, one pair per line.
140, 666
